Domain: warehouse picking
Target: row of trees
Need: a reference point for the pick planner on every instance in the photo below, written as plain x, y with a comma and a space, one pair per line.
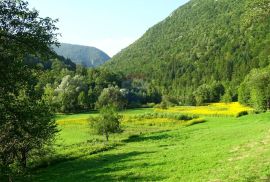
82, 89
254, 91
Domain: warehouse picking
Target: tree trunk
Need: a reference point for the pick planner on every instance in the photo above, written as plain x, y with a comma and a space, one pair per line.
23, 158
107, 136
10, 178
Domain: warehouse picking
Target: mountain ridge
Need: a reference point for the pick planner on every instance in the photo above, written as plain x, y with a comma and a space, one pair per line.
201, 42
80, 54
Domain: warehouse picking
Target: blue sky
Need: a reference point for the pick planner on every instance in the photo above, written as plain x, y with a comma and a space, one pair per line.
109, 25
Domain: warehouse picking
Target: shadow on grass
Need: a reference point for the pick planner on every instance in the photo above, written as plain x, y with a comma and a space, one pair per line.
109, 167
257, 178
64, 158
140, 138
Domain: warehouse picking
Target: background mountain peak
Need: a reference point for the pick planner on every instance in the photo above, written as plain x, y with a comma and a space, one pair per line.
83, 55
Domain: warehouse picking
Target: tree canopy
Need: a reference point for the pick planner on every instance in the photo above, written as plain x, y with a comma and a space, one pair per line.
255, 89
26, 121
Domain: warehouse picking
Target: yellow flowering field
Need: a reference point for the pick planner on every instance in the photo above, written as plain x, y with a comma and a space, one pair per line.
215, 109
81, 121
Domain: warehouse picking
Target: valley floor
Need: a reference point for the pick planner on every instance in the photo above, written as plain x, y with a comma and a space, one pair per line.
221, 149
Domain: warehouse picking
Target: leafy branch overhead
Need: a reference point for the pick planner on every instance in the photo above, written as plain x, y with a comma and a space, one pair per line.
22, 31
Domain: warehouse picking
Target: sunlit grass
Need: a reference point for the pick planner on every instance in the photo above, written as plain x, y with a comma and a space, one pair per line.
215, 109
220, 149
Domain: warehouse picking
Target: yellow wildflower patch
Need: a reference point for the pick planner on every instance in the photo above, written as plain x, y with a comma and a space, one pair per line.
214, 109
72, 121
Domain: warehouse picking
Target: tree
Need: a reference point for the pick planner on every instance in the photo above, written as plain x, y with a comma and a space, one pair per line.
30, 128
82, 100
26, 121
23, 32
227, 97
217, 90
111, 96
68, 91
107, 122
255, 89
202, 94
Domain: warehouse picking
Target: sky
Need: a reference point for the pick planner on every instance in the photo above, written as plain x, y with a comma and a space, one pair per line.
109, 25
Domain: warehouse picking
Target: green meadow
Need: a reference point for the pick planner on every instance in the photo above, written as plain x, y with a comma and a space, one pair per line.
160, 149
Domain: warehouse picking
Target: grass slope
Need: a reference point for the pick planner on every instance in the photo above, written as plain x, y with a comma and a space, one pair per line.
221, 149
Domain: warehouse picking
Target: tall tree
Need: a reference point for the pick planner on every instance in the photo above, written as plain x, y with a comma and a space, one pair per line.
111, 96
26, 122
255, 89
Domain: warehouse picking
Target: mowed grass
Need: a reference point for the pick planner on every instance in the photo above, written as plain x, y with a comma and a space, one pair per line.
215, 109
221, 149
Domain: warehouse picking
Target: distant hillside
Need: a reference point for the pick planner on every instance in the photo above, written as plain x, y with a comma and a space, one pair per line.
84, 55
201, 42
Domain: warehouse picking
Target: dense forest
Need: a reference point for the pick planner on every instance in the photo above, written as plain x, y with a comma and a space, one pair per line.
76, 89
202, 43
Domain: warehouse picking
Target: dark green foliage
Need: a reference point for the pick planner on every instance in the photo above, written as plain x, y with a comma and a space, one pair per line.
23, 32
228, 96
242, 113
26, 121
255, 89
107, 122
217, 90
47, 64
83, 55
167, 101
201, 42
202, 94
26, 126
138, 92
208, 93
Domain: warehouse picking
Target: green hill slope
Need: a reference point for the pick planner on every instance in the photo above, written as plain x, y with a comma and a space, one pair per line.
84, 55
201, 42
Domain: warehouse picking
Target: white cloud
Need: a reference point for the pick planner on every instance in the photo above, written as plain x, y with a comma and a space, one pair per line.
111, 46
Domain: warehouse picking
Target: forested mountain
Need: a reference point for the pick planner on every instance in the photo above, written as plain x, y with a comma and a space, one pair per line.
202, 42
84, 55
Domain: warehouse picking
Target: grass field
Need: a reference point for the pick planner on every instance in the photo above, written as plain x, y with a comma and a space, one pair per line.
221, 149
